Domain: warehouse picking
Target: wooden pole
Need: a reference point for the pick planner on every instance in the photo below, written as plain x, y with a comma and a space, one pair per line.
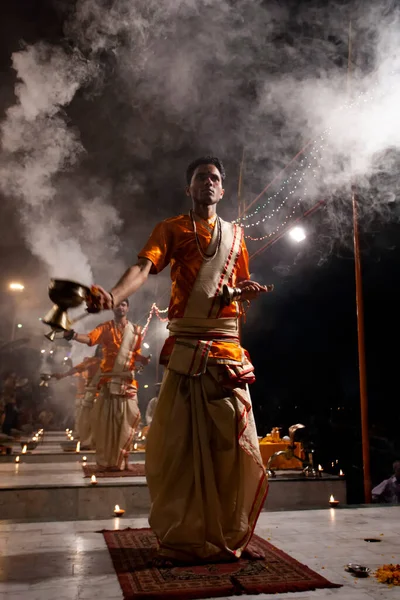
361, 354
362, 368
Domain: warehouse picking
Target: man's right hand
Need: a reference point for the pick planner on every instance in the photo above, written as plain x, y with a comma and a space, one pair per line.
98, 299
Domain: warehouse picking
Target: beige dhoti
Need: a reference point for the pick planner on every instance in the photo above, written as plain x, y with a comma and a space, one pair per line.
114, 420
85, 421
77, 412
204, 469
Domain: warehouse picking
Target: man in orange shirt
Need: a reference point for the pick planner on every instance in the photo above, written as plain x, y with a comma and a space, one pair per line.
115, 414
203, 464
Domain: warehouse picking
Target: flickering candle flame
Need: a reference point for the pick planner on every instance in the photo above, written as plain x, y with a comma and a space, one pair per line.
84, 458
24, 449
78, 446
17, 459
118, 512
320, 468
135, 446
341, 473
93, 480
332, 501
71, 438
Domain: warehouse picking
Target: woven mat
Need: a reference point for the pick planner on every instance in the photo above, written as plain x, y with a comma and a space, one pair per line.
91, 469
131, 551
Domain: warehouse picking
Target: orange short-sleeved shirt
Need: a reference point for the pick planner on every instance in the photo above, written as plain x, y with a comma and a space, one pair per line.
173, 243
88, 367
110, 337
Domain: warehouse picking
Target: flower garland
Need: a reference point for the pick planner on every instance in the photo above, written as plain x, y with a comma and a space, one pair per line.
389, 574
154, 310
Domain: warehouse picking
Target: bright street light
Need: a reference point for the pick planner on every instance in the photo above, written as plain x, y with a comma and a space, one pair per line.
297, 234
15, 286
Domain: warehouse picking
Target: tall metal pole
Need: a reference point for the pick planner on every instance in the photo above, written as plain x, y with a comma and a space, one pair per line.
360, 326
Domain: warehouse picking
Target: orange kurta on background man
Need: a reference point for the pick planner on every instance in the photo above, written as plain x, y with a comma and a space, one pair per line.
110, 338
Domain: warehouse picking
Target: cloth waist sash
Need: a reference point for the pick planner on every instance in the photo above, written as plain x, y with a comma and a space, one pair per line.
194, 338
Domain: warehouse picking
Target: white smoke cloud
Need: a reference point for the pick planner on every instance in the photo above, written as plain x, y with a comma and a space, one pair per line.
218, 77
38, 146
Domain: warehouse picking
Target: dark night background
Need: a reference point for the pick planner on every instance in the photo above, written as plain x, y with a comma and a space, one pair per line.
303, 337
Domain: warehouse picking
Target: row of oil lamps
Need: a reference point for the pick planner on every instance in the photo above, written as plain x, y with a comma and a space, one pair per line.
119, 512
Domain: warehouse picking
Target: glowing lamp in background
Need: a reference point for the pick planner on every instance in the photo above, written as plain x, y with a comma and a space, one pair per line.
16, 286
297, 234
93, 480
118, 512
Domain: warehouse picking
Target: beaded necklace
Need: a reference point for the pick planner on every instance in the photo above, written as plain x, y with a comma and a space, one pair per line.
204, 255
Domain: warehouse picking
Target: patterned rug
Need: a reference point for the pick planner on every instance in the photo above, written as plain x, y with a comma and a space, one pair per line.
91, 469
131, 551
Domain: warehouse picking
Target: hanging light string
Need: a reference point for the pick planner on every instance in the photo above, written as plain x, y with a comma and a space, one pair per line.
154, 310
297, 177
278, 228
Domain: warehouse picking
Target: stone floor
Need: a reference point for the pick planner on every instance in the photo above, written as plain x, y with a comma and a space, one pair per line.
53, 474
70, 561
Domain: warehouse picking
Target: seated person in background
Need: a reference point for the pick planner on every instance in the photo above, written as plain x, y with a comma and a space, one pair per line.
389, 490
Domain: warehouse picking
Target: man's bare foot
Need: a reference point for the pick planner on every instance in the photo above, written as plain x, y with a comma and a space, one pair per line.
252, 553
163, 563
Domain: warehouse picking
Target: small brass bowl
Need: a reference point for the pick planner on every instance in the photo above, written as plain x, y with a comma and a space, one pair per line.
358, 570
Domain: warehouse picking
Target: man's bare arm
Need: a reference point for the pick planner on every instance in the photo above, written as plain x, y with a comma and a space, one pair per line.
131, 280
129, 283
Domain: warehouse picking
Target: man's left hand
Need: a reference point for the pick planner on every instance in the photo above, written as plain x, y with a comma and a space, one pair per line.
251, 289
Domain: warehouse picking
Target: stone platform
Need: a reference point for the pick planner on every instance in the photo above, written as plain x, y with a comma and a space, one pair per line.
49, 450
48, 484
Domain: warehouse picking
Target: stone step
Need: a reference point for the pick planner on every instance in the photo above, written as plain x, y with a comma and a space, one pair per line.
58, 491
